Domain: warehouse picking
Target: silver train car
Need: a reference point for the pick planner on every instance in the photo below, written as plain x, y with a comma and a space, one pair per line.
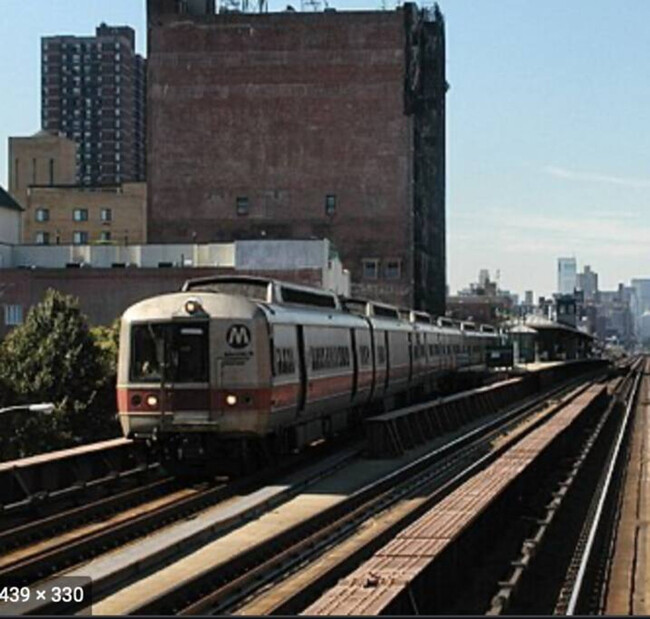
230, 365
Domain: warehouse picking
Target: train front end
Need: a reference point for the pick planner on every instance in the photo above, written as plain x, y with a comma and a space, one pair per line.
190, 372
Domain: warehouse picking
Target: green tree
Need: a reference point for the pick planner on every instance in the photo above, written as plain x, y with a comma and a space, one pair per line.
53, 357
107, 341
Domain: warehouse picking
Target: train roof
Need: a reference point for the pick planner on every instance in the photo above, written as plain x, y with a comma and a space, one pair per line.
264, 289
364, 307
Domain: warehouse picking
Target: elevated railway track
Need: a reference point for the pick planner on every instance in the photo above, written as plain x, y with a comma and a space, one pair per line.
287, 542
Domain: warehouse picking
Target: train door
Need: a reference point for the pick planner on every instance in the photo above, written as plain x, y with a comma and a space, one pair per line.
355, 364
387, 375
410, 346
302, 369
373, 360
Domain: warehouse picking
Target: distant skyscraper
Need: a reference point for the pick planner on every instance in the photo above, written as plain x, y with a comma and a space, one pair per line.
587, 281
93, 91
642, 287
529, 297
641, 299
566, 275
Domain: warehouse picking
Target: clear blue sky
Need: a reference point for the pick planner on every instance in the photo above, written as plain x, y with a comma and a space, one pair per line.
548, 126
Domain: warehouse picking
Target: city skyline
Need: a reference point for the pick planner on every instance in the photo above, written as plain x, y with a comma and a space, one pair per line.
547, 144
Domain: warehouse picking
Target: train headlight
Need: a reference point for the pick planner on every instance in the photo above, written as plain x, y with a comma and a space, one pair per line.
152, 401
192, 306
231, 399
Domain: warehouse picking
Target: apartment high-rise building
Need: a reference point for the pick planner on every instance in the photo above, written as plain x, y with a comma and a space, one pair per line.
94, 92
566, 275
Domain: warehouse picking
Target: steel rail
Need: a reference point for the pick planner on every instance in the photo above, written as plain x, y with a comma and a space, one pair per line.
534, 542
67, 553
35, 530
596, 522
336, 523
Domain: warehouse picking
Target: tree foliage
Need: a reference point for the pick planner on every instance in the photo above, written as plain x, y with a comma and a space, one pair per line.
54, 357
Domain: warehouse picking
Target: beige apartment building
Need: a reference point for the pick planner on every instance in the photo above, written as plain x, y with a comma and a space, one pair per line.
45, 158
81, 215
57, 210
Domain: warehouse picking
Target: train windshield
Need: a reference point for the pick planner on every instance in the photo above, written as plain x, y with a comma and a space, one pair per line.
176, 353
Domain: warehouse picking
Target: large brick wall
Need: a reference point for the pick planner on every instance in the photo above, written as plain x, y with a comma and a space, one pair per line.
285, 109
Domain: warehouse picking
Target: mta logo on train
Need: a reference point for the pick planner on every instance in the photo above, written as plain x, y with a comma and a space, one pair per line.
238, 336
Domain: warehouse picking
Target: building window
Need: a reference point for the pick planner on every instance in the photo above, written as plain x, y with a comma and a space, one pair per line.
80, 214
42, 238
104, 236
33, 171
330, 204
106, 214
13, 314
242, 205
393, 269
370, 268
51, 171
42, 214
80, 237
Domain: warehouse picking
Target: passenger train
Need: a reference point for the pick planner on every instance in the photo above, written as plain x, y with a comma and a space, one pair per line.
231, 365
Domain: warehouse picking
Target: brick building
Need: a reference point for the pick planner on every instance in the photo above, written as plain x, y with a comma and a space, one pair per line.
78, 214
491, 310
93, 91
107, 280
304, 125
